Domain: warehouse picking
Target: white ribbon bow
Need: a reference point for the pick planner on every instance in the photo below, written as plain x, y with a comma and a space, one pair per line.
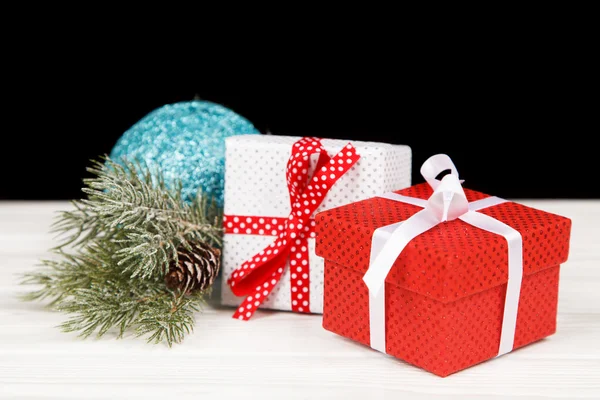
448, 202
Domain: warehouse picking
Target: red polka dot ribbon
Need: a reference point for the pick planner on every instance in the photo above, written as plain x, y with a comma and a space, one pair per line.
259, 275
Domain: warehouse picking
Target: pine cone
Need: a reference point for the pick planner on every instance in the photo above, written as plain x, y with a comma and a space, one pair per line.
195, 270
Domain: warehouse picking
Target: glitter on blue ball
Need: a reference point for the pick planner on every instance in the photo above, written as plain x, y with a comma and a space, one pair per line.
184, 141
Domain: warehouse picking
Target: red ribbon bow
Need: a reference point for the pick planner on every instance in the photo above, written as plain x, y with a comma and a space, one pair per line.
259, 275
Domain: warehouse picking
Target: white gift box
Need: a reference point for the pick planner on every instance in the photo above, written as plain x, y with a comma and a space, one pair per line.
255, 185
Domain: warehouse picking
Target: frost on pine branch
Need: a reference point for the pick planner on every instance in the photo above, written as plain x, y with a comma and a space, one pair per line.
118, 244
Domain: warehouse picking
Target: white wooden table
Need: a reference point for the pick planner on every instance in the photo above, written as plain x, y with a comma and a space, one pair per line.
278, 354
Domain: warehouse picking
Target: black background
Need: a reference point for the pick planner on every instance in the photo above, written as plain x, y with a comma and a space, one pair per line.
512, 129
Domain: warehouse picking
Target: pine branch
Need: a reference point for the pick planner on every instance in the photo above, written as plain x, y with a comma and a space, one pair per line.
124, 236
152, 220
168, 318
90, 287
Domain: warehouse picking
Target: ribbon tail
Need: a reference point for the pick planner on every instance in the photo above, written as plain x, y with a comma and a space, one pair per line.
515, 273
386, 246
258, 276
300, 276
262, 290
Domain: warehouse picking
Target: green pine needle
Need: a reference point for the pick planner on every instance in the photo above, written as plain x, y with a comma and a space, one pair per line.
108, 271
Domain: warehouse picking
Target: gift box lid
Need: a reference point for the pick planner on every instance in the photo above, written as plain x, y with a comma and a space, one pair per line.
255, 173
452, 260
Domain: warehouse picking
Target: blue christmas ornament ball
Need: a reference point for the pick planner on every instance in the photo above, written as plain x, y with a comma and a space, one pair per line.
184, 141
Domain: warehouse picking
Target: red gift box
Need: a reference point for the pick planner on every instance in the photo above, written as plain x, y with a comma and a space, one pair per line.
445, 294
